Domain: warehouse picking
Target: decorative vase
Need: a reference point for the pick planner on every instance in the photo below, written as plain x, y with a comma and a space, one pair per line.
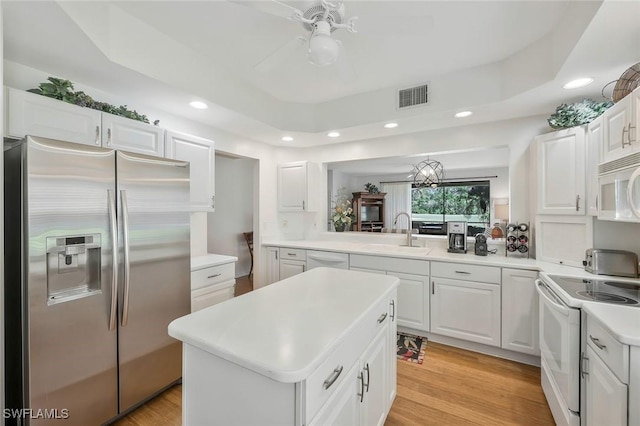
339, 226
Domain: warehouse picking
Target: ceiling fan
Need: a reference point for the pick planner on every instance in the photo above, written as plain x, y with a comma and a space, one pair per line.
320, 18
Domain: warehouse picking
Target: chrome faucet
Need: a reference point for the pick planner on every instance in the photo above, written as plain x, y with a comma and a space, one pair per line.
410, 236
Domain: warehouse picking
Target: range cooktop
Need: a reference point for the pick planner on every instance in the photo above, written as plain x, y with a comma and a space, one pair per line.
600, 290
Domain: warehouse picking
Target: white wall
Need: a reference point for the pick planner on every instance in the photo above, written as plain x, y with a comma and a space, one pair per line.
616, 235
234, 210
517, 134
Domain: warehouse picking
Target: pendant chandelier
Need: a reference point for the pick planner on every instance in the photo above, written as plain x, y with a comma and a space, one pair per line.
428, 173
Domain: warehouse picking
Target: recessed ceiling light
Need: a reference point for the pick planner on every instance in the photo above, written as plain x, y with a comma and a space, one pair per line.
198, 105
391, 125
579, 82
287, 138
463, 114
333, 134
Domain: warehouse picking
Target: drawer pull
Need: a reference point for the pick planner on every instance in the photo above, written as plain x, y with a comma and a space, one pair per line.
361, 393
333, 377
463, 272
213, 276
382, 317
583, 371
291, 254
368, 378
393, 312
596, 342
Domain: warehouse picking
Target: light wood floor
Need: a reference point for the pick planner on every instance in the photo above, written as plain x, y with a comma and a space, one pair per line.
452, 387
244, 285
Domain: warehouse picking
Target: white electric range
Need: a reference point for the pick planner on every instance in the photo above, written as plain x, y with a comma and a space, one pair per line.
560, 333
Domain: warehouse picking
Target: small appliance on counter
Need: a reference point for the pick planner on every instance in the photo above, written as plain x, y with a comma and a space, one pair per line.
457, 236
481, 245
611, 262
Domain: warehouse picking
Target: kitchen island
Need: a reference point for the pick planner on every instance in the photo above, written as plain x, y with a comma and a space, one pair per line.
316, 348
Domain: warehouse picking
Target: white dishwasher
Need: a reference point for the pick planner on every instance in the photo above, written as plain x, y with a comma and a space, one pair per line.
317, 259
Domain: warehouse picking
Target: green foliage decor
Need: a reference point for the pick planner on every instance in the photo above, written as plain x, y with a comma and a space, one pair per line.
575, 114
62, 90
371, 188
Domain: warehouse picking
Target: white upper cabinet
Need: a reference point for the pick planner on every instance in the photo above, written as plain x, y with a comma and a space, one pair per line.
131, 135
620, 128
200, 153
36, 115
561, 172
594, 144
297, 185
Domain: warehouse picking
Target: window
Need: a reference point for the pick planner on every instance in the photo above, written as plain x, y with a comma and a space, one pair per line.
432, 208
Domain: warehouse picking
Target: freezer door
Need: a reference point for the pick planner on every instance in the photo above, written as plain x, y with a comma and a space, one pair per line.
153, 197
71, 351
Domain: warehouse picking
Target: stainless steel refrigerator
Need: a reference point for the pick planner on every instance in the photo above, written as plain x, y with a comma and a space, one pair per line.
97, 263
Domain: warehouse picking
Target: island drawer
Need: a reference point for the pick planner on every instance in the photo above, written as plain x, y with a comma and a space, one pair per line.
209, 296
293, 254
465, 272
333, 370
212, 275
612, 352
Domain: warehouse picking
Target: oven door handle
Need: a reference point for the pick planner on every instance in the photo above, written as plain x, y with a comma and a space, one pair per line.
552, 300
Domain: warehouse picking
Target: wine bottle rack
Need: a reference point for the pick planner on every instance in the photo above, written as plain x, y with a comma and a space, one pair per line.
518, 240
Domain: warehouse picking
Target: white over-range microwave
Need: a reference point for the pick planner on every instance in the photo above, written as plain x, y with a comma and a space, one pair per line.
619, 189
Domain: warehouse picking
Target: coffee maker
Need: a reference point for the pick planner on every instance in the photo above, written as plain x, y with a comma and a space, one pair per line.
457, 237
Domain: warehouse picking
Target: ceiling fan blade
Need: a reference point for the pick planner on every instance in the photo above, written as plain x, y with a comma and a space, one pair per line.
271, 7
280, 55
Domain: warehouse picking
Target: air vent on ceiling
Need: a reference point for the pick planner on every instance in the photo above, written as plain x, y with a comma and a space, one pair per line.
413, 96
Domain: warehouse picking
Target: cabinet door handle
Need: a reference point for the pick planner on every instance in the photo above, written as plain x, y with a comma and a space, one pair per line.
463, 272
98, 135
213, 201
393, 310
381, 318
628, 132
596, 342
302, 204
108, 137
361, 393
276, 255
577, 203
368, 378
333, 377
213, 276
583, 371
433, 287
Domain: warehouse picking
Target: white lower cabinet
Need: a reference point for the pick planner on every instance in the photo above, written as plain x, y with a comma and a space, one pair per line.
464, 307
289, 268
273, 265
212, 284
413, 291
520, 311
373, 379
608, 382
343, 408
606, 400
292, 262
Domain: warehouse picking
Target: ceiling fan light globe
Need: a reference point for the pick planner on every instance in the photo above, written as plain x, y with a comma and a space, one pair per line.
323, 50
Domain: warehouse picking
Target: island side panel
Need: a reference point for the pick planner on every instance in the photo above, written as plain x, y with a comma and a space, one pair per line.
219, 392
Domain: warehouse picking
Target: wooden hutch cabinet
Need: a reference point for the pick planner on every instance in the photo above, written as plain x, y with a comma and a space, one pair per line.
369, 211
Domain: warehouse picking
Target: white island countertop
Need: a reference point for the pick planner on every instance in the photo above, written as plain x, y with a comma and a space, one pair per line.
282, 331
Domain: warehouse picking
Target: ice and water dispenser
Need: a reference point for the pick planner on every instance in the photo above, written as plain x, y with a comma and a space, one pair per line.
73, 267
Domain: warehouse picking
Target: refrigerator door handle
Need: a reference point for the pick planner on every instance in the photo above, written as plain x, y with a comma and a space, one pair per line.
114, 248
125, 244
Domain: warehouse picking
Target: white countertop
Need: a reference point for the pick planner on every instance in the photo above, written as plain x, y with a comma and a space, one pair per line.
428, 253
210, 259
623, 322
284, 330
